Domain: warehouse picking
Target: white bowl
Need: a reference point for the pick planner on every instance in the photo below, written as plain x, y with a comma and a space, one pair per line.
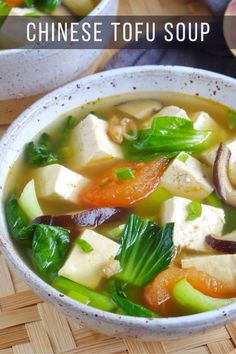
46, 111
29, 72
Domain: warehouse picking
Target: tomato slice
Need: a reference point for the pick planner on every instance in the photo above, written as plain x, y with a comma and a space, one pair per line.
14, 3
110, 191
158, 294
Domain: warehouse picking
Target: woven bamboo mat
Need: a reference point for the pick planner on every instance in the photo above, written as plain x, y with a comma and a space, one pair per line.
30, 326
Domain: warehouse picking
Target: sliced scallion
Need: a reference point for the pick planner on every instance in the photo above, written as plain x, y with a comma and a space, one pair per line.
194, 210
125, 174
84, 245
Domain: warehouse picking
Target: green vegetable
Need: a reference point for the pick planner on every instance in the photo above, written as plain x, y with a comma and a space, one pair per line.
18, 221
97, 300
183, 157
132, 309
126, 306
29, 203
125, 174
84, 245
47, 6
214, 200
115, 233
194, 210
63, 149
49, 249
167, 137
29, 3
193, 301
41, 154
79, 297
232, 119
4, 12
145, 250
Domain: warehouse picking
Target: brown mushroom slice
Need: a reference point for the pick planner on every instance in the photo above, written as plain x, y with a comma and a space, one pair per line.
221, 179
90, 218
226, 244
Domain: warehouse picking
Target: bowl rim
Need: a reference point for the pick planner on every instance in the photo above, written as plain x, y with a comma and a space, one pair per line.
210, 318
95, 12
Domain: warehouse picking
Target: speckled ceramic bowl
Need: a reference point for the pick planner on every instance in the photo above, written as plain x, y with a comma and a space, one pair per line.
45, 112
29, 72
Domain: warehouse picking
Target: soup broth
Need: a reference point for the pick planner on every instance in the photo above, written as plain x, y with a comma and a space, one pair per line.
121, 204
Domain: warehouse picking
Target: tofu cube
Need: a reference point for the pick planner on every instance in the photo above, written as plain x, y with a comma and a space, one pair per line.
191, 235
209, 157
87, 268
187, 177
173, 111
58, 183
91, 144
203, 121
222, 267
140, 109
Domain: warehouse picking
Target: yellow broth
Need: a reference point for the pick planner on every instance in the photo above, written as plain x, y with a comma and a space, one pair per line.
21, 173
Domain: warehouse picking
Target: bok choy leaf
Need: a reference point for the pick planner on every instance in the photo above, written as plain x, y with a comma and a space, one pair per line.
17, 220
167, 137
145, 250
49, 249
41, 154
132, 309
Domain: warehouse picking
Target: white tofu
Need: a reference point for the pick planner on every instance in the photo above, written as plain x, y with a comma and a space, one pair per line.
222, 267
203, 121
140, 109
173, 111
187, 178
209, 157
87, 268
191, 234
58, 183
91, 144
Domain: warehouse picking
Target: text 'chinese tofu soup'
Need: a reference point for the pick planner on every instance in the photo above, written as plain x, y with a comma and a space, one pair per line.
128, 204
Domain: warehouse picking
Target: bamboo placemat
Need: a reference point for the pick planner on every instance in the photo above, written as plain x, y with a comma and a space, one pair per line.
30, 326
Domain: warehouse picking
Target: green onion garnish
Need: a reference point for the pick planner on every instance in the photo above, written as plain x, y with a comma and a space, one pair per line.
194, 210
214, 200
183, 157
84, 245
125, 174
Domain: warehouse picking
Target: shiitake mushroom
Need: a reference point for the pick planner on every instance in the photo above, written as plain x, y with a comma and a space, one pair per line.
90, 218
221, 179
225, 244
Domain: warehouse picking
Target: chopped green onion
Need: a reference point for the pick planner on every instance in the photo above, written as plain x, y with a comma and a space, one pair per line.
84, 245
214, 200
232, 119
194, 210
125, 174
183, 157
